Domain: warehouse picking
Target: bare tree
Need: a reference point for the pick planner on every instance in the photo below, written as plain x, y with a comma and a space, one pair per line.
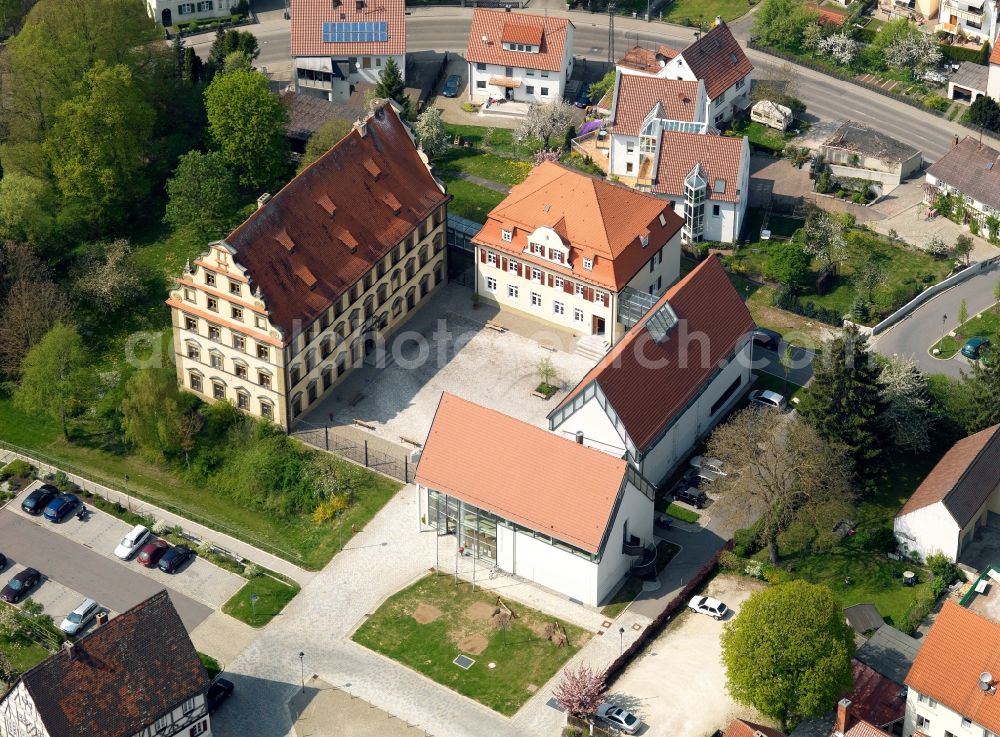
581, 690
545, 121
107, 276
787, 473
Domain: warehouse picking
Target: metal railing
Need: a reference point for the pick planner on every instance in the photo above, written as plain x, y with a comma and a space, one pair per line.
399, 467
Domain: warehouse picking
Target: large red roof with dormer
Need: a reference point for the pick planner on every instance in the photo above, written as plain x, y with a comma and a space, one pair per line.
497, 26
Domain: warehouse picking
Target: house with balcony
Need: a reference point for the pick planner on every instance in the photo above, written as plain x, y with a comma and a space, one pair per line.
974, 19
518, 56
952, 686
579, 252
337, 44
533, 504
137, 675
970, 171
273, 316
669, 381
661, 141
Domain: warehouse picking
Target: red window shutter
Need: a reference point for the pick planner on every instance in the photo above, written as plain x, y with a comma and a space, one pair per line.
482, 255
551, 280
607, 299
588, 294
568, 286
519, 268
503, 263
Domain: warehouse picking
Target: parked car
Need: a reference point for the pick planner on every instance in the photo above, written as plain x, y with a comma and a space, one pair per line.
767, 398
174, 558
60, 507
700, 476
132, 542
712, 464
151, 553
451, 86
690, 495
765, 338
80, 617
3, 561
618, 717
220, 690
583, 96
19, 586
975, 348
708, 605
39, 499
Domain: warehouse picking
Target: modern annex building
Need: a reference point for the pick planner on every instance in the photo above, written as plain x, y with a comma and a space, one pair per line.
273, 316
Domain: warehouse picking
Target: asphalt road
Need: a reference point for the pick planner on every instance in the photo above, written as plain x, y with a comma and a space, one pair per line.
800, 371
107, 581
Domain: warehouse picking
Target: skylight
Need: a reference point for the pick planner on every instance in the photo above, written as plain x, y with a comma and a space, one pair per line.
720, 186
661, 321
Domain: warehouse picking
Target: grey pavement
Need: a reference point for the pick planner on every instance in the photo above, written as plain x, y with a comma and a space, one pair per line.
60, 559
915, 334
800, 370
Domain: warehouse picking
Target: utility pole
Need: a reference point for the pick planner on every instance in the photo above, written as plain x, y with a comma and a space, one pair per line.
611, 32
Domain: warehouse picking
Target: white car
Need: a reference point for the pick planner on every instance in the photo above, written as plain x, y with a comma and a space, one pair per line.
767, 398
80, 617
707, 605
132, 542
620, 718
709, 464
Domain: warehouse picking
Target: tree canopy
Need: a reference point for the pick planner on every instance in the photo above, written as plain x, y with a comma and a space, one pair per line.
391, 87
430, 133
55, 376
782, 23
324, 139
202, 195
788, 652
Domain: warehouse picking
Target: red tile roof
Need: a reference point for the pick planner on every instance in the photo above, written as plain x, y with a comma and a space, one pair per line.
302, 258
636, 95
959, 647
119, 678
308, 17
647, 60
963, 479
995, 54
718, 59
520, 472
648, 383
743, 728
492, 25
516, 33
827, 16
597, 219
875, 698
864, 729
719, 156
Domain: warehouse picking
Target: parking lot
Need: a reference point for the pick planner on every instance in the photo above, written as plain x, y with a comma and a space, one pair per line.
688, 652
77, 561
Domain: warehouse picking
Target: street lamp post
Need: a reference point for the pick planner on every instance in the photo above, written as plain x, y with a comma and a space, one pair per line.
302, 668
621, 640
128, 498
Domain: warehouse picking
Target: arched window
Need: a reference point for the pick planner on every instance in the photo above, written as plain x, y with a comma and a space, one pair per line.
297, 405
397, 306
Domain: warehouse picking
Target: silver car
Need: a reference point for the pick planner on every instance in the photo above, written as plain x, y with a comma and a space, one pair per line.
80, 617
620, 718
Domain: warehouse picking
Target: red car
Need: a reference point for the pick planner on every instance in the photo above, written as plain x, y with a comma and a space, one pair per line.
151, 553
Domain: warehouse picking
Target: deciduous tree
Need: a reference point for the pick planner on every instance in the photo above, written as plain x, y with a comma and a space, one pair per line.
581, 690
788, 652
150, 414
107, 275
787, 263
26, 206
55, 377
840, 47
824, 238
782, 23
430, 133
202, 196
545, 121
907, 416
963, 248
324, 139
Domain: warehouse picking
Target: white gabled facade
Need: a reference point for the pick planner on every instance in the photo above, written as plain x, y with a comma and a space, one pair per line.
933, 529
181, 12
973, 18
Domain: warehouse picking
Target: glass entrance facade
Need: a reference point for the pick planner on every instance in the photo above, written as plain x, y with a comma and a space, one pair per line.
476, 528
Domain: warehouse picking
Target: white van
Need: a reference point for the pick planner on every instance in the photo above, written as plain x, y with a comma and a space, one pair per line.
132, 542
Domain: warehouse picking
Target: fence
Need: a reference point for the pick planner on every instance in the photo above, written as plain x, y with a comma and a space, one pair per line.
398, 467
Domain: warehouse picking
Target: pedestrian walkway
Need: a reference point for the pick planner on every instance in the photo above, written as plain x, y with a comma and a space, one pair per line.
216, 538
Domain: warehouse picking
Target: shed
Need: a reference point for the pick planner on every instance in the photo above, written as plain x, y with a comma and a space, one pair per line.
863, 618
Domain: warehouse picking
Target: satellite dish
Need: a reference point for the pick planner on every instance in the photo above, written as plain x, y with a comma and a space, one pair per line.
986, 682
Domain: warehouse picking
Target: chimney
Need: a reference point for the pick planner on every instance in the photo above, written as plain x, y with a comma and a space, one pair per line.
579, 437
102, 618
263, 200
68, 648
954, 140
361, 126
697, 35
843, 716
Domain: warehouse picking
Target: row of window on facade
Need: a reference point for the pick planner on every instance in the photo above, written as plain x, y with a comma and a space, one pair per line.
509, 71
197, 384
535, 299
204, 6
924, 722
529, 89
557, 282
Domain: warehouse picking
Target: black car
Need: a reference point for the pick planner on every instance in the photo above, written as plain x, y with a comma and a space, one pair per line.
39, 499
218, 692
175, 558
3, 561
19, 586
767, 338
451, 86
691, 495
583, 96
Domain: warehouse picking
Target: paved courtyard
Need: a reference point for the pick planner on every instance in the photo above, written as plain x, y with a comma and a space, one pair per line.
447, 347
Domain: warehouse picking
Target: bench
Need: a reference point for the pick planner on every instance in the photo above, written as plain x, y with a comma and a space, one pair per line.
981, 586
547, 347
365, 425
411, 441
496, 326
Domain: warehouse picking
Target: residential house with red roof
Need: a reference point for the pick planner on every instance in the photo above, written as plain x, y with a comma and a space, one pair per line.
662, 141
523, 500
337, 44
182, 12
970, 170
273, 316
577, 251
951, 505
993, 79
518, 56
669, 380
953, 682
137, 675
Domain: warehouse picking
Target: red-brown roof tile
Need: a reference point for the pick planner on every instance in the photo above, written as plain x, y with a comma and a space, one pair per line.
864, 729
120, 677
648, 383
875, 698
827, 16
963, 479
302, 258
308, 17
491, 24
743, 728
995, 54
719, 157
518, 33
636, 95
647, 60
520, 472
718, 59
597, 219
960, 646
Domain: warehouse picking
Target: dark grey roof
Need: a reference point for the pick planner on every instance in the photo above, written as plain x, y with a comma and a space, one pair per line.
890, 652
972, 76
973, 169
121, 677
861, 139
863, 618
306, 113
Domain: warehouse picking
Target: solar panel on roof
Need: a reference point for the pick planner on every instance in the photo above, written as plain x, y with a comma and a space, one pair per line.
355, 32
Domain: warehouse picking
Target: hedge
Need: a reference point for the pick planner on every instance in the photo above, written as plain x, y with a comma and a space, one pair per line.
960, 53
785, 299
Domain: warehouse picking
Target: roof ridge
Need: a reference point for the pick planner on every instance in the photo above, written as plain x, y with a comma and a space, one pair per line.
993, 438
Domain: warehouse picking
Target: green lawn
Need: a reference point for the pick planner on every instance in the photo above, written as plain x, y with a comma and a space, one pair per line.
22, 653
986, 325
212, 666
297, 539
500, 169
458, 620
272, 596
764, 380
692, 12
633, 586
683, 514
472, 201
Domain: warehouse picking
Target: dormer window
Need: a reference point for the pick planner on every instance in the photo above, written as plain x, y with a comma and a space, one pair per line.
507, 235
588, 264
644, 240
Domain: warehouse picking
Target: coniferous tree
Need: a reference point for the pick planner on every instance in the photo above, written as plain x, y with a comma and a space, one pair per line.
391, 86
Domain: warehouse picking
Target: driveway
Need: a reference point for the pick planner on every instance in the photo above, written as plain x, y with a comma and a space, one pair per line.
800, 371
915, 334
678, 686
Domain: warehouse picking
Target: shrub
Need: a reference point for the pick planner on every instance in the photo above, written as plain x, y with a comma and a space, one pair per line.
942, 568
754, 569
730, 561
17, 467
158, 527
879, 539
746, 541
919, 610
469, 107
326, 511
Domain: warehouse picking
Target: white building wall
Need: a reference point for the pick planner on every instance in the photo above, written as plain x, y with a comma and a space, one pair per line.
545, 85
635, 513
181, 12
598, 430
927, 530
18, 715
939, 719
993, 85
655, 278
555, 568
